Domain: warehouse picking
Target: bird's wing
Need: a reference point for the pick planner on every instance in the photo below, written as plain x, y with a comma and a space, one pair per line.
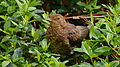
73, 34
84, 30
79, 33
89, 26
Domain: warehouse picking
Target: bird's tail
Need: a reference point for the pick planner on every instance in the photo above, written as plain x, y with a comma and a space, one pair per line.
89, 26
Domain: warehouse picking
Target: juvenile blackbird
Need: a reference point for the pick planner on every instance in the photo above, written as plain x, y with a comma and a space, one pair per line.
61, 34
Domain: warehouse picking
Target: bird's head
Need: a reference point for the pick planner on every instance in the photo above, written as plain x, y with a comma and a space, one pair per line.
56, 18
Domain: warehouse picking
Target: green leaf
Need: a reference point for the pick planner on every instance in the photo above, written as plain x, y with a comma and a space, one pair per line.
31, 8
108, 27
5, 4
91, 31
12, 65
119, 51
5, 63
38, 11
17, 53
7, 25
99, 64
11, 9
85, 65
44, 44
118, 1
78, 49
18, 59
5, 38
3, 17
3, 46
116, 41
114, 63
117, 29
1, 57
33, 32
14, 23
45, 15
34, 64
22, 5
94, 32
81, 4
102, 49
87, 49
38, 55
34, 3
109, 37
36, 34
4, 31
56, 63
85, 56
27, 17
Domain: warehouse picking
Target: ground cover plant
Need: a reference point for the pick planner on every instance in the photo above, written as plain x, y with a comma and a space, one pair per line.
23, 41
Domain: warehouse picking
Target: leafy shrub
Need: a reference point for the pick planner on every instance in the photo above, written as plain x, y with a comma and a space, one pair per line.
23, 42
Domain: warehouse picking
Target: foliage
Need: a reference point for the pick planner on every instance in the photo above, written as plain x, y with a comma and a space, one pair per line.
23, 42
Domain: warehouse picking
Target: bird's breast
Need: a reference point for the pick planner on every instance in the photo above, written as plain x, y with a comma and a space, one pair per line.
54, 33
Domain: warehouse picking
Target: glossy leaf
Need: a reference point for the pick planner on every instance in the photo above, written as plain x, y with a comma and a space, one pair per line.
102, 49
5, 63
7, 25
6, 38
114, 63
87, 49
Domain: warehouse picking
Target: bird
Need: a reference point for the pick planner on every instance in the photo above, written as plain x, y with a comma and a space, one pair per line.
63, 35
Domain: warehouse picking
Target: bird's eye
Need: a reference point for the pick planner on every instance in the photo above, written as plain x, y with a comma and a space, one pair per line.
57, 18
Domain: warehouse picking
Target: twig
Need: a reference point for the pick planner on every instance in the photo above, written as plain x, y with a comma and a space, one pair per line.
78, 17
117, 48
87, 16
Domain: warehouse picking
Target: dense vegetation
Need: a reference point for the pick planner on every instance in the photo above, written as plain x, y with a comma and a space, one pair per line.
23, 41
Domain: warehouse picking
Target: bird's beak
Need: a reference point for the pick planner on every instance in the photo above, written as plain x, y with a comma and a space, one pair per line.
48, 19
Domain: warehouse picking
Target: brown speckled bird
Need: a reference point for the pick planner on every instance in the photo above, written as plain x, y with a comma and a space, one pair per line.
61, 34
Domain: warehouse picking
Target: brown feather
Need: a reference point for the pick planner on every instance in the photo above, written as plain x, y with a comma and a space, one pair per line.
60, 33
